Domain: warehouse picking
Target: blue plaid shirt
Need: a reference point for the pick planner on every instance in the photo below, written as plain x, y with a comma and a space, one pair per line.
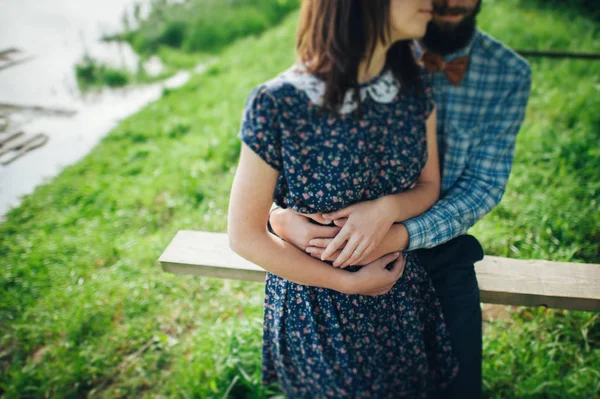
477, 124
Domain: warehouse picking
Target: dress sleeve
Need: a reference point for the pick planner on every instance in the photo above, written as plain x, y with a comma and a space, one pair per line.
427, 98
260, 128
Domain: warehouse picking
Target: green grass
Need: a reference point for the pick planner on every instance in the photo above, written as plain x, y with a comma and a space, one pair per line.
90, 73
85, 308
551, 209
589, 8
182, 35
203, 25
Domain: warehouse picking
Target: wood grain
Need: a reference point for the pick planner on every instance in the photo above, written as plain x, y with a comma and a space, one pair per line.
573, 286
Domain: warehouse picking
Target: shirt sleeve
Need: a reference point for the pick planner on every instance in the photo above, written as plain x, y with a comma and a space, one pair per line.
260, 127
481, 186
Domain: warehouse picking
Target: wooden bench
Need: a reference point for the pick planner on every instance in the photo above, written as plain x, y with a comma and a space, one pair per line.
573, 286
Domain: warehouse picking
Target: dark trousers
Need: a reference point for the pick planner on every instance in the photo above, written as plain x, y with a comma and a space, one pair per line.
451, 268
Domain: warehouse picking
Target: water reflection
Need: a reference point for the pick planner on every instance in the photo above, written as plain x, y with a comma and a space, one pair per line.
57, 34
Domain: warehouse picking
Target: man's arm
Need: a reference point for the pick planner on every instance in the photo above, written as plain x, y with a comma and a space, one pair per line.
476, 192
482, 184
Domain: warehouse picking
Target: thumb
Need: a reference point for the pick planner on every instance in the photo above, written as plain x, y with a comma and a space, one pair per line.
398, 267
340, 222
342, 213
387, 259
317, 217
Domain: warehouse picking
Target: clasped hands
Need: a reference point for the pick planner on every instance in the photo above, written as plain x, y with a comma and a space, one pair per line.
346, 237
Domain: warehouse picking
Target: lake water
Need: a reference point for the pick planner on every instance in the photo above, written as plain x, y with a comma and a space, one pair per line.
56, 34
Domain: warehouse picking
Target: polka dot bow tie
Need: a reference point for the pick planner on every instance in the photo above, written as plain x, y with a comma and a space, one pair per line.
455, 70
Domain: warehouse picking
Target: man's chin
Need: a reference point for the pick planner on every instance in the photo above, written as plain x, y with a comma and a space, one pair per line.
448, 37
445, 26
447, 20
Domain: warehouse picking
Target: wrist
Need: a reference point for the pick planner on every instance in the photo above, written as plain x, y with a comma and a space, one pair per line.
388, 207
345, 282
402, 237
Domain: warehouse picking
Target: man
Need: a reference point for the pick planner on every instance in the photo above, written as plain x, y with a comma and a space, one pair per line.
481, 90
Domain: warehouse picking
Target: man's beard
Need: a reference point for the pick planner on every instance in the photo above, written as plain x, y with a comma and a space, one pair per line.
446, 39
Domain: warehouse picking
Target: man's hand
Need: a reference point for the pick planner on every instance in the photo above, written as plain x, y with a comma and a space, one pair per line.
297, 228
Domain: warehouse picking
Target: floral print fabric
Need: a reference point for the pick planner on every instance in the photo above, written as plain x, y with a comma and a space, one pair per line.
317, 342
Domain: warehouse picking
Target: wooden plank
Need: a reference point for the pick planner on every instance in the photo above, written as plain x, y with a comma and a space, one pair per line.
207, 254
16, 151
6, 137
574, 286
11, 57
13, 63
4, 53
38, 109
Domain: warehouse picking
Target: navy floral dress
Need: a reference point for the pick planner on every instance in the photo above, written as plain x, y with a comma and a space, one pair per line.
320, 343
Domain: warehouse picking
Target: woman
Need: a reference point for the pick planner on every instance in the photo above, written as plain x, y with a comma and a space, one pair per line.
352, 122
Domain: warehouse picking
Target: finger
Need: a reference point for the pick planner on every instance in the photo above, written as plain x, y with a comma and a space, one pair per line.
320, 242
317, 231
384, 290
385, 260
398, 267
356, 254
334, 256
342, 213
317, 217
315, 251
320, 219
379, 291
400, 264
336, 244
351, 246
323, 243
365, 254
305, 215
340, 222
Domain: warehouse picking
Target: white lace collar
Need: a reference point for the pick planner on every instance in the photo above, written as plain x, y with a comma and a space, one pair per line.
382, 89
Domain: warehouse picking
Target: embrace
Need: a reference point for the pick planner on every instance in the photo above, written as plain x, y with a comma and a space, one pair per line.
389, 138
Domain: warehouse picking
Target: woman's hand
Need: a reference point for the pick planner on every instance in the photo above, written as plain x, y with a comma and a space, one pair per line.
297, 229
366, 225
395, 240
374, 279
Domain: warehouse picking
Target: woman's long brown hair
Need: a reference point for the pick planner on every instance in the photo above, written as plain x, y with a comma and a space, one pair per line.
334, 36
